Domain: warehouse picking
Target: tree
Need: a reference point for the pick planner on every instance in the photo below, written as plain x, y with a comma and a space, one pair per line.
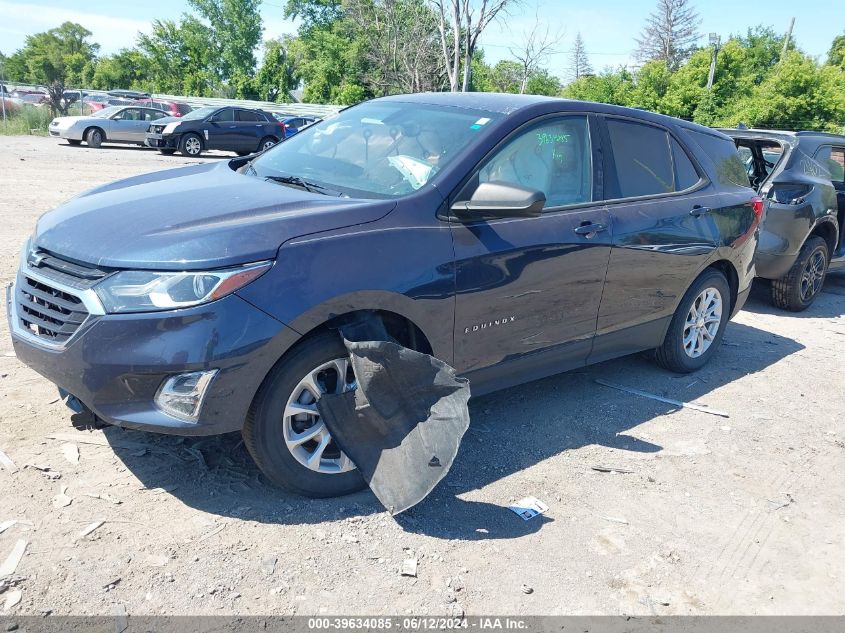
609, 86
181, 57
277, 75
402, 47
836, 55
460, 23
534, 52
236, 29
55, 59
579, 63
670, 33
543, 83
128, 68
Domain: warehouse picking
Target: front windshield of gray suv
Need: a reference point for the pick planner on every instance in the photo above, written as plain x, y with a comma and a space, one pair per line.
375, 150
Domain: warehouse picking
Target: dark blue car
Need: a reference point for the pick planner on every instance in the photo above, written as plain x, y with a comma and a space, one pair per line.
513, 237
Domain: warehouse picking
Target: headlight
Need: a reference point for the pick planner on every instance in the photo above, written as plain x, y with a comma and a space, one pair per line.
170, 128
148, 291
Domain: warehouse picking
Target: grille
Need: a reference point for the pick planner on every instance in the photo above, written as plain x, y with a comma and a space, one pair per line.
156, 129
48, 312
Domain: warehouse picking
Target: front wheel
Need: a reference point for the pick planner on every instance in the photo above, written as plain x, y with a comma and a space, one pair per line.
94, 137
284, 432
190, 145
797, 290
698, 324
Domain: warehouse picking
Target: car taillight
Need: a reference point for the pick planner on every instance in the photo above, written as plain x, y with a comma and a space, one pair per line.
284, 128
757, 206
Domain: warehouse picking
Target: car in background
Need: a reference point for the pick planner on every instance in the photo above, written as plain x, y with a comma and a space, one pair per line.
240, 130
115, 124
36, 99
294, 124
170, 108
515, 236
801, 176
128, 94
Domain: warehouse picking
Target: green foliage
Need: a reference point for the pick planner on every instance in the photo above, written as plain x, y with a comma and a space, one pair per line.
542, 83
55, 59
278, 75
607, 87
128, 69
181, 61
836, 55
26, 120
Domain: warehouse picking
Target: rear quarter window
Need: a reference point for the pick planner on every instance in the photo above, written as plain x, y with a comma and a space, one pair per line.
722, 151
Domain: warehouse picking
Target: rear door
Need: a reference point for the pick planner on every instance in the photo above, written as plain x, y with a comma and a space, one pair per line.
659, 205
833, 157
529, 289
250, 127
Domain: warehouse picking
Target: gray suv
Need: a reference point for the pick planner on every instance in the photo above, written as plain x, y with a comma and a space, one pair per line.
801, 176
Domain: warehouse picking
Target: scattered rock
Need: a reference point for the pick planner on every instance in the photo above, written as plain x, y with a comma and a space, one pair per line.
527, 590
7, 463
268, 565
409, 567
13, 559
13, 597
61, 500
93, 526
71, 452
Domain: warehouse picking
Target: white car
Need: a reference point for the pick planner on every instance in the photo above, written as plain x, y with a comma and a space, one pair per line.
117, 124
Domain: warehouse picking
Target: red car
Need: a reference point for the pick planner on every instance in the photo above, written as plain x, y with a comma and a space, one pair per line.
172, 108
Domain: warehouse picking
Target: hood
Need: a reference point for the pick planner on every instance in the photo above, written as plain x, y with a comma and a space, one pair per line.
168, 119
70, 120
204, 216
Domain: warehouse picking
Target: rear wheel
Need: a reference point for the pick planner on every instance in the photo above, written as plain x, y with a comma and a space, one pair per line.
284, 432
266, 143
698, 324
190, 145
797, 290
95, 137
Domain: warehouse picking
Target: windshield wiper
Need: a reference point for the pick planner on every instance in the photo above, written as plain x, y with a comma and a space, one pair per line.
312, 187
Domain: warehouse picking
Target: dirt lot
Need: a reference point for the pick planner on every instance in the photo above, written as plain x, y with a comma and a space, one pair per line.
744, 515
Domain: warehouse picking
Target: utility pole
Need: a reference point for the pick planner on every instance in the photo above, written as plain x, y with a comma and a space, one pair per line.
787, 38
715, 42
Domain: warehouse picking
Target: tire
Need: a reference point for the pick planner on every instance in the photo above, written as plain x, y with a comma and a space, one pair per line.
73, 141
268, 423
167, 152
95, 137
243, 153
798, 288
266, 143
190, 145
685, 355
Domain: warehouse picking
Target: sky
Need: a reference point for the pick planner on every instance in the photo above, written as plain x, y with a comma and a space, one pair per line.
608, 27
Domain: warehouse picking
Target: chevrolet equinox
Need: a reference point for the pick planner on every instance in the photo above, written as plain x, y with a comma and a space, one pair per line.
511, 236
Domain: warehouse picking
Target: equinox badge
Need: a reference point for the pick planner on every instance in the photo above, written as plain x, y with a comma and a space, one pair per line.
489, 324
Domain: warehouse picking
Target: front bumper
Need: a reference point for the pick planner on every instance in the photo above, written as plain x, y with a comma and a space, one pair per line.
161, 141
115, 363
71, 133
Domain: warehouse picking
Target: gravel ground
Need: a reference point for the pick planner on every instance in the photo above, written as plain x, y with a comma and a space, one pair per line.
738, 515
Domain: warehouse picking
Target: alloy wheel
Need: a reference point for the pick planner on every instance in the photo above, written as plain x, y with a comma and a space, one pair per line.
267, 145
305, 434
813, 275
702, 322
193, 146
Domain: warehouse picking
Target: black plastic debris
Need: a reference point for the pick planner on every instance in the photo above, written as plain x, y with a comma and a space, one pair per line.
403, 425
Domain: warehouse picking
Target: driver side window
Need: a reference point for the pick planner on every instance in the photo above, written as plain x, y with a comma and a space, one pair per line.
554, 157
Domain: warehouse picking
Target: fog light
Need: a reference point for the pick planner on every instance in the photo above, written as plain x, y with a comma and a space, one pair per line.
181, 396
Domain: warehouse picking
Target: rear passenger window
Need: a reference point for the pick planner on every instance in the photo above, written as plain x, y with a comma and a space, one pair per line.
722, 151
246, 115
685, 174
553, 157
643, 160
834, 159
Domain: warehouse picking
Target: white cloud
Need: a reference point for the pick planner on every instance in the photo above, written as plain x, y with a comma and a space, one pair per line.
20, 19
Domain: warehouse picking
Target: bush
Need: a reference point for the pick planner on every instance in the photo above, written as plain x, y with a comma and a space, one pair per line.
26, 120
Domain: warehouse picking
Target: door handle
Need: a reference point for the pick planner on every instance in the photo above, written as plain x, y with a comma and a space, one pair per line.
697, 211
589, 229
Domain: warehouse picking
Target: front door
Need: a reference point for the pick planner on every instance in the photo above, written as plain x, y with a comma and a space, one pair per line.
529, 289
220, 131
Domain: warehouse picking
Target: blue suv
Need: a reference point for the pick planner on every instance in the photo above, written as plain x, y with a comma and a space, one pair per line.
511, 236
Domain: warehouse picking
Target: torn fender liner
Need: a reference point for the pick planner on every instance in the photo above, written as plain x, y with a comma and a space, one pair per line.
403, 425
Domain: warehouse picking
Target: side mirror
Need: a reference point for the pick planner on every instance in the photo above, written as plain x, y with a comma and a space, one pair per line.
501, 200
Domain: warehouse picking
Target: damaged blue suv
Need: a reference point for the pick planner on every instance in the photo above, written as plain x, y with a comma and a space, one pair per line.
511, 236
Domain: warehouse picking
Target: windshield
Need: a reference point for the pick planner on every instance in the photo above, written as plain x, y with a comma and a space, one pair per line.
107, 112
199, 113
376, 149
